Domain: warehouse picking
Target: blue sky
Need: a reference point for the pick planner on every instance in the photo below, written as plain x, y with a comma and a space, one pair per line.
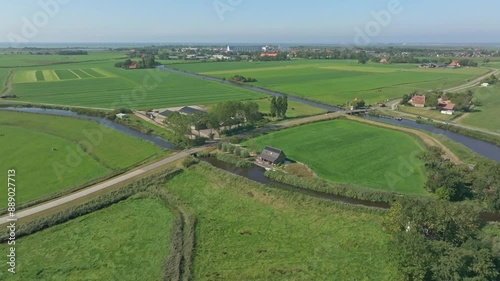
244, 21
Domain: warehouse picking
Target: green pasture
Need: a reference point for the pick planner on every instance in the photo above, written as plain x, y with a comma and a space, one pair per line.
246, 233
425, 112
337, 82
487, 115
126, 241
354, 153
115, 88
12, 60
53, 153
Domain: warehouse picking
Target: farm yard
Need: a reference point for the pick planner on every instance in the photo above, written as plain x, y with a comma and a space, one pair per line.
337, 82
109, 244
51, 159
349, 152
244, 232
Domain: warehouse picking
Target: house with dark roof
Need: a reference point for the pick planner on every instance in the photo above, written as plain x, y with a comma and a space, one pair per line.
190, 111
418, 101
272, 156
166, 113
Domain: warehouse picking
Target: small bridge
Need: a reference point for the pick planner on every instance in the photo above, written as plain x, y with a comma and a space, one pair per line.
356, 112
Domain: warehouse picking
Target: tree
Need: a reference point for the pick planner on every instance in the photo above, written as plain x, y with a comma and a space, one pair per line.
284, 105
274, 107
486, 61
180, 126
279, 106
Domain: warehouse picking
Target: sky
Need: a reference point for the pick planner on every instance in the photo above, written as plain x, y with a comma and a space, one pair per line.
251, 21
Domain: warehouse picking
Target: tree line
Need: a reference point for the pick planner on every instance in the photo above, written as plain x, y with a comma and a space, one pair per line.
279, 106
435, 241
146, 61
460, 182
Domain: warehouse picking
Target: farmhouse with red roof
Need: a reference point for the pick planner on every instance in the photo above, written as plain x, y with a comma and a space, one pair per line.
418, 101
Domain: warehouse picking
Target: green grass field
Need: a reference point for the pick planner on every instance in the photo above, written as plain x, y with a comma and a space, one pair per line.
487, 115
122, 242
246, 233
337, 82
44, 150
101, 85
350, 152
8, 60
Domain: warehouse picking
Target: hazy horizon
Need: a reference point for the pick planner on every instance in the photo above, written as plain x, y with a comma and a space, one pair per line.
243, 22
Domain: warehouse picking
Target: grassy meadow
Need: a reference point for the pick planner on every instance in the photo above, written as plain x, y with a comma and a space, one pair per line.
425, 113
9, 60
486, 115
101, 85
337, 82
349, 152
122, 242
246, 233
44, 151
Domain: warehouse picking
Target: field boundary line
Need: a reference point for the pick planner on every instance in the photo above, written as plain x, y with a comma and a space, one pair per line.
75, 74
87, 73
8, 83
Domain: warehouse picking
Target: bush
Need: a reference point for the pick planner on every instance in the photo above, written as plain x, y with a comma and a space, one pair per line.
190, 161
234, 140
234, 160
333, 188
244, 153
231, 149
237, 151
219, 145
225, 147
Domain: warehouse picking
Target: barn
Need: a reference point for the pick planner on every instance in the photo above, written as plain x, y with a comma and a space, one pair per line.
272, 156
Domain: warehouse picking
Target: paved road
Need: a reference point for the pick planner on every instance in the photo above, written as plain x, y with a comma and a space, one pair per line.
99, 187
472, 83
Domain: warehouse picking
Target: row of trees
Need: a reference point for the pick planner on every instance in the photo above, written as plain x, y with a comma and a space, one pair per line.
224, 116
147, 61
242, 79
492, 79
434, 240
279, 106
459, 182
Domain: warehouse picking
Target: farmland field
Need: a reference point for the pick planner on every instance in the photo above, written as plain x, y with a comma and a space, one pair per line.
246, 233
44, 150
101, 85
486, 115
337, 82
425, 112
121, 242
8, 60
350, 152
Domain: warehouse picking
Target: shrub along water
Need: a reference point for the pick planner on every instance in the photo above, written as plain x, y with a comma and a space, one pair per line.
321, 185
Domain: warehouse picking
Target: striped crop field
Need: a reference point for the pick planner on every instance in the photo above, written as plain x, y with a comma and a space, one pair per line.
27, 76
65, 74
103, 86
50, 75
39, 76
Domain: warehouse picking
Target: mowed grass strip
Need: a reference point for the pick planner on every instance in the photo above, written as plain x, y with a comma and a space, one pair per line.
246, 233
81, 74
349, 152
25, 76
65, 74
47, 152
50, 75
122, 242
39, 76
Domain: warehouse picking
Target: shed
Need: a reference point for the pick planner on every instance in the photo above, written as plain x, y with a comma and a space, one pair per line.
166, 113
190, 110
272, 156
122, 116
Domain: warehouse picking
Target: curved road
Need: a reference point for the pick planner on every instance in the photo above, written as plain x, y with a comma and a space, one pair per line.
99, 187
